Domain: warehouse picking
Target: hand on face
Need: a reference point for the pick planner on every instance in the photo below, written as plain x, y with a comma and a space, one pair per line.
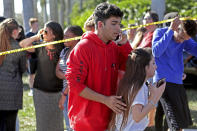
175, 24
40, 34
123, 39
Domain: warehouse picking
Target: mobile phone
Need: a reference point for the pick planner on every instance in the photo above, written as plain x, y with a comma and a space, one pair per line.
117, 38
41, 37
160, 82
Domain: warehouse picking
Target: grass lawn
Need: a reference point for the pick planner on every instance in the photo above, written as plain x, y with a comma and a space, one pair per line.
27, 115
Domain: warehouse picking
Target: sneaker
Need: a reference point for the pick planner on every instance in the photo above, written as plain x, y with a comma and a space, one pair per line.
30, 92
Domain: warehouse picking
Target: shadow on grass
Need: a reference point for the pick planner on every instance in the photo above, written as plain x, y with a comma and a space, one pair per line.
194, 118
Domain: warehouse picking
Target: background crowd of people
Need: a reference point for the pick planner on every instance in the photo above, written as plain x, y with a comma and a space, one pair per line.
104, 81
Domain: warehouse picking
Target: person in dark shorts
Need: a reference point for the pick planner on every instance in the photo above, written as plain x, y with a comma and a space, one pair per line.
32, 58
168, 45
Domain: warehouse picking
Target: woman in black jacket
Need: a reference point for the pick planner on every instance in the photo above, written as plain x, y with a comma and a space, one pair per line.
11, 68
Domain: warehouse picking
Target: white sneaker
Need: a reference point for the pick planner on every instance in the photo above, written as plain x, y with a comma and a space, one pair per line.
30, 92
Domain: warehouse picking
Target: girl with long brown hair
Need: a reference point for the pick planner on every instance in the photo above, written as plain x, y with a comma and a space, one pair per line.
138, 97
11, 68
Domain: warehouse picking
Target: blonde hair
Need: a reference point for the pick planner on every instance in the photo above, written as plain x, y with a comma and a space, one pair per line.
32, 20
89, 24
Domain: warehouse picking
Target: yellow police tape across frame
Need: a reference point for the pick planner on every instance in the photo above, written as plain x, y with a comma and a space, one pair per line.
40, 45
158, 22
77, 38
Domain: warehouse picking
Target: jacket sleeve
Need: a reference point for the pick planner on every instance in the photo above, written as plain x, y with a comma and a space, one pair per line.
160, 41
124, 50
77, 69
22, 61
191, 47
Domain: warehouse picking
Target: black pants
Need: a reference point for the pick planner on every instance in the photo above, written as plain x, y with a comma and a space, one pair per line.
175, 106
8, 120
159, 118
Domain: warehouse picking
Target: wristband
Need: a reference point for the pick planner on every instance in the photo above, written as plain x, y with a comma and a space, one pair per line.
151, 102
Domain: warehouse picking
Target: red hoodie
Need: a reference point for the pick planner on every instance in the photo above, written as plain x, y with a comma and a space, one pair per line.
95, 65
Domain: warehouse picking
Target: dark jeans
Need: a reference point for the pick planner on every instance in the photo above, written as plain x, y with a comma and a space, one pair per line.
8, 120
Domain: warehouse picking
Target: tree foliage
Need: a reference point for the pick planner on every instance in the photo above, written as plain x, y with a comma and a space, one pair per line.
186, 8
133, 10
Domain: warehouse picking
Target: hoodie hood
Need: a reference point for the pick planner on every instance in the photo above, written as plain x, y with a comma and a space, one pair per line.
92, 36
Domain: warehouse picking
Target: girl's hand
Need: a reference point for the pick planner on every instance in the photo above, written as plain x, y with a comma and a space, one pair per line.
156, 93
62, 101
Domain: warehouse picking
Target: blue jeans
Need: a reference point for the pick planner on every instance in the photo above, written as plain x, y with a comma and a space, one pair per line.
17, 123
65, 111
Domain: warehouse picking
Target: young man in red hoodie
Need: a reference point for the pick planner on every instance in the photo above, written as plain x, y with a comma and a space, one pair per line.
93, 70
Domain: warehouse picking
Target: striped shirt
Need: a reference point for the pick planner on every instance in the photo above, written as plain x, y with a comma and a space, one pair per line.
62, 63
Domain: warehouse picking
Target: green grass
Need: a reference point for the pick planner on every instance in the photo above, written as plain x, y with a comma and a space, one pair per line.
192, 98
27, 115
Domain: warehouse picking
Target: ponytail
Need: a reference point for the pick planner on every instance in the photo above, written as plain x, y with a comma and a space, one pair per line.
6, 29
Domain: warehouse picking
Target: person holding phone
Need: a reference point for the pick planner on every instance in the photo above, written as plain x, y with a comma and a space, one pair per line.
47, 86
135, 93
92, 72
167, 46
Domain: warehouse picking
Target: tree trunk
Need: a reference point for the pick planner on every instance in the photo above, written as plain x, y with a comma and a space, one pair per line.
44, 10
8, 8
159, 7
62, 13
53, 10
68, 11
28, 12
81, 5
35, 8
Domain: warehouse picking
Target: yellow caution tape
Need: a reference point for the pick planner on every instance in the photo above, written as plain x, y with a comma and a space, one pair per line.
77, 38
40, 45
158, 22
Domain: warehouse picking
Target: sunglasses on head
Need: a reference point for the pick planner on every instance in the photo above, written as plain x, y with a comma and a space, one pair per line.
19, 29
45, 31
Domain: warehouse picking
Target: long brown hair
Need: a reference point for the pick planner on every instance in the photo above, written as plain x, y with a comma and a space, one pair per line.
138, 37
132, 81
6, 28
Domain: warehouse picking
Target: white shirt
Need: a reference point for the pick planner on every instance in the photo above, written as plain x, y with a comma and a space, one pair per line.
141, 98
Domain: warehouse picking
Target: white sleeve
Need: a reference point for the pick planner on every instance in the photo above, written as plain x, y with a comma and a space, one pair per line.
140, 97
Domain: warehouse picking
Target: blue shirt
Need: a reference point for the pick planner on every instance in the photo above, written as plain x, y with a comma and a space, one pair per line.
169, 55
